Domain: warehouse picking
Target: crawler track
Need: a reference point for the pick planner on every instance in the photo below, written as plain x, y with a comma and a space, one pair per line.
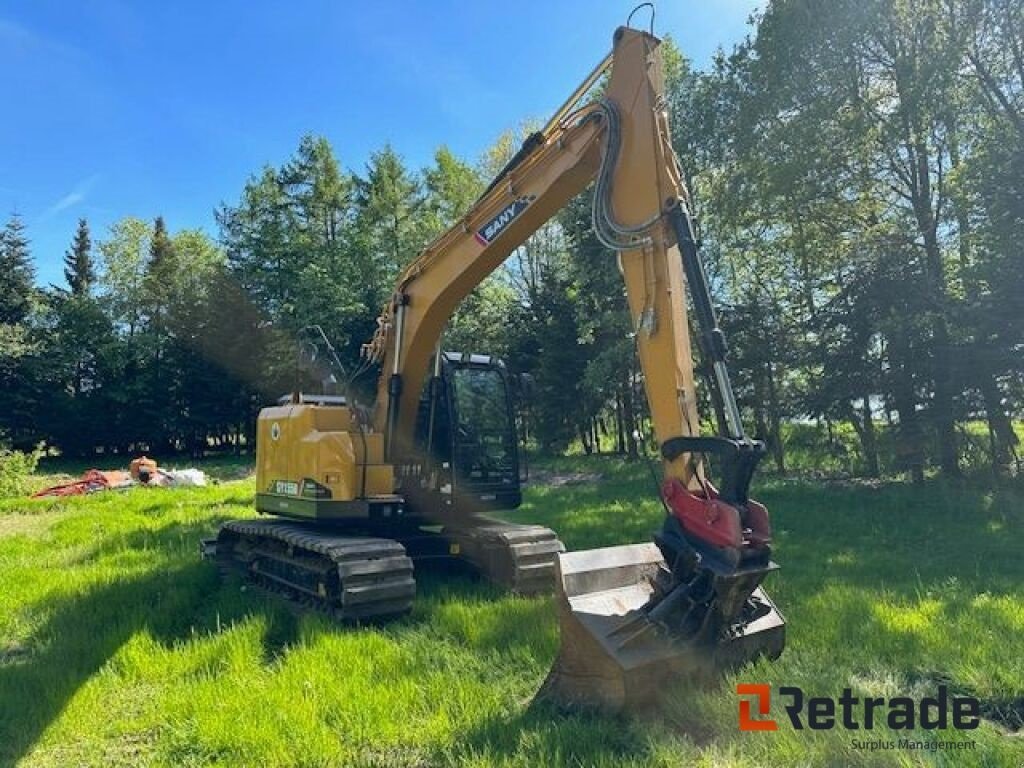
520, 558
349, 577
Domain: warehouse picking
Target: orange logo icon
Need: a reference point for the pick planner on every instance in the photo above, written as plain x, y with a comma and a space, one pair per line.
763, 693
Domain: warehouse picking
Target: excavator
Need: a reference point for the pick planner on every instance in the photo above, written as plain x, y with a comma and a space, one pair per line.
354, 498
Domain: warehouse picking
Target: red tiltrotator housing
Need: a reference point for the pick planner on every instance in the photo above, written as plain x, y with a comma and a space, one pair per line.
706, 517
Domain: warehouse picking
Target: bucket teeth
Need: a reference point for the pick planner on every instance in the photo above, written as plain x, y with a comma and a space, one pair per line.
629, 634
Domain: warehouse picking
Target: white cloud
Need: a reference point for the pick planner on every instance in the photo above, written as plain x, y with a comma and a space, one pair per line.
19, 41
71, 199
15, 34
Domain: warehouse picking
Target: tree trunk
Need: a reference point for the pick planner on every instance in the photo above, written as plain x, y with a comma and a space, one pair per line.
865, 429
775, 422
1004, 439
910, 457
585, 439
760, 421
869, 440
760, 418
942, 401
629, 418
620, 436
927, 201
943, 416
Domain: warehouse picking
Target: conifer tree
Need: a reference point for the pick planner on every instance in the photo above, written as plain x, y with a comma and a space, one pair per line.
79, 269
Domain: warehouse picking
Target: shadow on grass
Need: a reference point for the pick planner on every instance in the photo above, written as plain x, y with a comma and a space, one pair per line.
894, 535
551, 736
904, 539
892, 574
85, 630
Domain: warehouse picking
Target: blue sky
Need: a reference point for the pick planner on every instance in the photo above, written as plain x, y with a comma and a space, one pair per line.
117, 108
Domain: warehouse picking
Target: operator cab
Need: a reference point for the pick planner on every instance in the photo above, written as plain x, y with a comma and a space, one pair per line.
467, 453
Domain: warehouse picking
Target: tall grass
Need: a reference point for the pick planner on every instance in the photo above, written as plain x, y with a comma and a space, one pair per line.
118, 646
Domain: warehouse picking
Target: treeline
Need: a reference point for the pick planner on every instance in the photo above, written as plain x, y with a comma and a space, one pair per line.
858, 168
126, 355
166, 341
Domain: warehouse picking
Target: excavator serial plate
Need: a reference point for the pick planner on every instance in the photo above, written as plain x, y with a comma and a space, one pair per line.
613, 658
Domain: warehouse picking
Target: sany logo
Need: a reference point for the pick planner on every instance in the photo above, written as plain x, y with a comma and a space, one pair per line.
763, 694
505, 216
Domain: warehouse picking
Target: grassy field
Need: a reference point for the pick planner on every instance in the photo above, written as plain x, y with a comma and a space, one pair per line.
118, 646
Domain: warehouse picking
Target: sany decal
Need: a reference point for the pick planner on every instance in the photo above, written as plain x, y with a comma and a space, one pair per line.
486, 234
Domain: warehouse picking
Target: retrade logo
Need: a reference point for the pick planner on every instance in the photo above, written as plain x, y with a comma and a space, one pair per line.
852, 713
762, 694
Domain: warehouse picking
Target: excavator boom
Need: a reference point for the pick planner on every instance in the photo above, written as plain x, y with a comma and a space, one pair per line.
689, 604
555, 166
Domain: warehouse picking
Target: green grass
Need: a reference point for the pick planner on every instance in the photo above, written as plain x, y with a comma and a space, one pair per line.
118, 646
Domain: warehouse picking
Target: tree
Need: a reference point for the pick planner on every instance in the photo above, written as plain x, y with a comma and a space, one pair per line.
389, 214
211, 330
160, 288
161, 252
80, 328
81, 370
79, 270
294, 243
17, 342
123, 255
989, 199
828, 153
451, 186
160, 283
19, 273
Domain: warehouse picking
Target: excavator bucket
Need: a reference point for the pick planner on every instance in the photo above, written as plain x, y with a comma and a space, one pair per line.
619, 653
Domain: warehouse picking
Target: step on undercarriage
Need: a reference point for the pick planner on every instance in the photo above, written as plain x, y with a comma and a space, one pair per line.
360, 577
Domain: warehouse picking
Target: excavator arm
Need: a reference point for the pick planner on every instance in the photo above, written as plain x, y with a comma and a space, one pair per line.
624, 136
689, 604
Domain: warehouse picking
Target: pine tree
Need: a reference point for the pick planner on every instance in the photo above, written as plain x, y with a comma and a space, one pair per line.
161, 277
159, 288
79, 269
389, 198
161, 250
18, 381
18, 271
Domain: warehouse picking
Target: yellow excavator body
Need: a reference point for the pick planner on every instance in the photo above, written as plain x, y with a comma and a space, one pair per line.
314, 458
636, 620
